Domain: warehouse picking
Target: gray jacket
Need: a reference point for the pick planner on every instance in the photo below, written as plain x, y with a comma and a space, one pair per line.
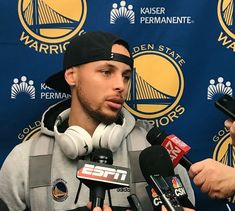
63, 187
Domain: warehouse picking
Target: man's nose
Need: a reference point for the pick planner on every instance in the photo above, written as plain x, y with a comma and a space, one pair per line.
119, 83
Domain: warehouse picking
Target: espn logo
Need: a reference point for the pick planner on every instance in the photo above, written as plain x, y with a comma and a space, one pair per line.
103, 173
100, 171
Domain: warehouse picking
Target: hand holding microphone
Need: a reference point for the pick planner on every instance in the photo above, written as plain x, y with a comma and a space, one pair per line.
214, 178
105, 207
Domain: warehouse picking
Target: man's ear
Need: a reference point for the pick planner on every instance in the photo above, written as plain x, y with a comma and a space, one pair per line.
70, 76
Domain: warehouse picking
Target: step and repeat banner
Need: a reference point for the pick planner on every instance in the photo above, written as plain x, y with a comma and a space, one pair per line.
184, 54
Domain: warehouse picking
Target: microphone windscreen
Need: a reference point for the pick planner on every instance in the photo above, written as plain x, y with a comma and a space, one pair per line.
102, 155
155, 160
156, 136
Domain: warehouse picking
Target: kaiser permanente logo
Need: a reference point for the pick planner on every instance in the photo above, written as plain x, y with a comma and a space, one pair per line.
48, 25
157, 84
219, 87
224, 150
122, 11
147, 15
225, 10
24, 87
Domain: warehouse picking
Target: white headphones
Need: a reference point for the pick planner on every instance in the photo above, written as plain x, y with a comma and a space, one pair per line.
76, 141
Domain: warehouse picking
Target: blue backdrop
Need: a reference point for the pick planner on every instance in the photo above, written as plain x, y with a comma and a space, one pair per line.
184, 60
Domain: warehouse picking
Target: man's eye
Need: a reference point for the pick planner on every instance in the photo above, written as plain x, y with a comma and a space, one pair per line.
127, 77
106, 72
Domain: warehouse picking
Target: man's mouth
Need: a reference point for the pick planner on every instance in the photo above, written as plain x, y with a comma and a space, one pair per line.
115, 102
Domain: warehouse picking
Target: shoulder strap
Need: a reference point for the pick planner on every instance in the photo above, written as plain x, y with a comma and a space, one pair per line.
137, 138
40, 161
136, 142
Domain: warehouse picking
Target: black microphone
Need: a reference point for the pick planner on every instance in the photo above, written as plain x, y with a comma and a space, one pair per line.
158, 137
156, 164
134, 203
98, 190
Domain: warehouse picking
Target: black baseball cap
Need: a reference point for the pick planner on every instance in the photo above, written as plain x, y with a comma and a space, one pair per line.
89, 47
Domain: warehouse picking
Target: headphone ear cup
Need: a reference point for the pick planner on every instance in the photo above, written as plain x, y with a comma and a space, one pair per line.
97, 135
114, 137
108, 136
74, 142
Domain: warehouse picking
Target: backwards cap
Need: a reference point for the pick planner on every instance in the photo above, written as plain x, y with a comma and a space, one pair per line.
89, 47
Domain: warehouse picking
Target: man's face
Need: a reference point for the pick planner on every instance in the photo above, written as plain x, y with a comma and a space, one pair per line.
102, 87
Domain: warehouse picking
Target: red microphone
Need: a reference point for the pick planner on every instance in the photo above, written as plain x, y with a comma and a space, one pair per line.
176, 148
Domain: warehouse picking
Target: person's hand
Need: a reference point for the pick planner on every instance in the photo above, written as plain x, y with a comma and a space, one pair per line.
214, 178
230, 125
105, 207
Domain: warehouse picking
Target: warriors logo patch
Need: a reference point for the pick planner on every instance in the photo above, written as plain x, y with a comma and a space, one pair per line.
59, 190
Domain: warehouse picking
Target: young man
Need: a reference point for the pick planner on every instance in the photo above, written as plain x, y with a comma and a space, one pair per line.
96, 72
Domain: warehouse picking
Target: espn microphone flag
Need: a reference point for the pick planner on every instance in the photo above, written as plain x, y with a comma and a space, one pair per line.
105, 173
176, 148
100, 175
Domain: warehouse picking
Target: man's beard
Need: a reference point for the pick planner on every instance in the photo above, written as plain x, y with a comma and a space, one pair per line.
98, 116
97, 113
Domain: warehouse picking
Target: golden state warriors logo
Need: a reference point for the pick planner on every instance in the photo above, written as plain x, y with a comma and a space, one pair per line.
59, 190
226, 18
224, 150
50, 24
157, 84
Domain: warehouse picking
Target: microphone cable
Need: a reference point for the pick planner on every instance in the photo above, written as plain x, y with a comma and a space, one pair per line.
78, 192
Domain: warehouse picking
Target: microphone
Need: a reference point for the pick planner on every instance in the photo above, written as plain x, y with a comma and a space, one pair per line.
98, 191
134, 203
100, 175
161, 166
175, 185
175, 147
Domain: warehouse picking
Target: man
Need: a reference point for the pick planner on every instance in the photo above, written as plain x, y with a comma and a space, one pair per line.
213, 177
96, 72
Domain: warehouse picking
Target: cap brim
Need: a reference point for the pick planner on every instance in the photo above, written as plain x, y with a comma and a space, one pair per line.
57, 82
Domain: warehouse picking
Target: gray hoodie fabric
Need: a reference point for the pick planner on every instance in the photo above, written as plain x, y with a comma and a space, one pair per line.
14, 174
